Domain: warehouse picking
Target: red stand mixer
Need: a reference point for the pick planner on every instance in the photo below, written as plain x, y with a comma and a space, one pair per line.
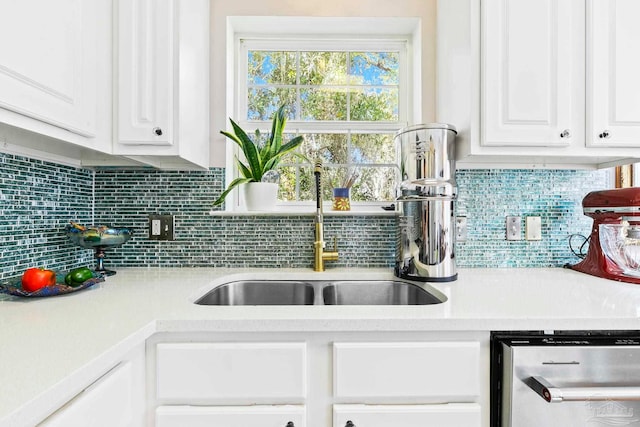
621, 208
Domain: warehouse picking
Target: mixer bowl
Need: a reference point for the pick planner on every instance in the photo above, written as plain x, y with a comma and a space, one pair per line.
621, 244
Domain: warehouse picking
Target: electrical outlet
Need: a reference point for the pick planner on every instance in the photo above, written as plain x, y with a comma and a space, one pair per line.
461, 229
161, 227
155, 227
514, 227
533, 228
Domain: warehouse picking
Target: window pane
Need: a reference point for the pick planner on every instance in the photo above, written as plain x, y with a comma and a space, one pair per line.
263, 102
323, 104
287, 188
333, 99
374, 183
372, 148
290, 158
305, 190
374, 68
266, 67
375, 104
323, 68
330, 147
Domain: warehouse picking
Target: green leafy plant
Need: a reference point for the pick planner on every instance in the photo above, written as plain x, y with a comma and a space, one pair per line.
259, 159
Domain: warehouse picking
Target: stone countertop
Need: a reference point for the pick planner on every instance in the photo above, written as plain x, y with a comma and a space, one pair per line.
48, 342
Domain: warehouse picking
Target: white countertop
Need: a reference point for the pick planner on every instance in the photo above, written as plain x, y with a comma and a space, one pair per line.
46, 341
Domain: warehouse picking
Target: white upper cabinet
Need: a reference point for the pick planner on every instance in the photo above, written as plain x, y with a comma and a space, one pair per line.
533, 92
145, 72
534, 83
613, 71
55, 70
162, 84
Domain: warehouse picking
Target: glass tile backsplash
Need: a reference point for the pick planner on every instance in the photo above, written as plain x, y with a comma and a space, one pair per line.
37, 199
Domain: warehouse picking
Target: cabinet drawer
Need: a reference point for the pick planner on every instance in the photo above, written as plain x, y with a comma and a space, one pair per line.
450, 415
407, 370
238, 372
230, 416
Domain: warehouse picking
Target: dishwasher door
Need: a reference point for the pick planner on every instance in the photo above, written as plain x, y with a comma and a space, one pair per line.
570, 383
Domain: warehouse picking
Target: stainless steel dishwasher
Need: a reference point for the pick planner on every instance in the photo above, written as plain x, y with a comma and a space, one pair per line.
565, 379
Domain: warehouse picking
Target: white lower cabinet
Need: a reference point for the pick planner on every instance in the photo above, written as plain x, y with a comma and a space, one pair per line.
231, 416
116, 399
318, 379
421, 370
217, 373
448, 415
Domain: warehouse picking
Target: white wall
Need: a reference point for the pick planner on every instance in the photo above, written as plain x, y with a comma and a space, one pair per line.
221, 9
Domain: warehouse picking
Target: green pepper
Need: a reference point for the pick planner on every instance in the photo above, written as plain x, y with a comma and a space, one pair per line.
78, 276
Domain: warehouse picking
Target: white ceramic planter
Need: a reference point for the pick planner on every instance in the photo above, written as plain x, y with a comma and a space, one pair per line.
260, 196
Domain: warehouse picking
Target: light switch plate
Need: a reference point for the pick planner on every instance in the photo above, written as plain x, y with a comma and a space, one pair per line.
514, 227
161, 227
533, 228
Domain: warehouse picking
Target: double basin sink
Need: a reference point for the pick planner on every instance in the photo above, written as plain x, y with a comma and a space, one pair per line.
317, 292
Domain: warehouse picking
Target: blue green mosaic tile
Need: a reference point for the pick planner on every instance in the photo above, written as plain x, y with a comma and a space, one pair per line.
37, 199
126, 198
487, 197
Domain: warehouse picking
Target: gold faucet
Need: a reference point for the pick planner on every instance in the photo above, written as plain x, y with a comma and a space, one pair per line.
320, 255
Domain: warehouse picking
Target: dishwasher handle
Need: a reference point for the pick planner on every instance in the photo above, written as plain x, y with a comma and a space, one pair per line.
554, 394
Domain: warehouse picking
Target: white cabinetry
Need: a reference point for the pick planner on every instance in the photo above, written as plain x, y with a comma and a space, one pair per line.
525, 88
449, 415
532, 91
613, 90
400, 373
226, 381
231, 416
388, 370
55, 74
224, 372
320, 379
163, 82
116, 399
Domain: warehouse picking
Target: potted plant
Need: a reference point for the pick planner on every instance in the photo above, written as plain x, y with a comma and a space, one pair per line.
259, 159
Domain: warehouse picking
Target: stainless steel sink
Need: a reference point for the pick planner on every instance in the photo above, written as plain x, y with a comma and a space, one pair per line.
260, 292
387, 292
319, 292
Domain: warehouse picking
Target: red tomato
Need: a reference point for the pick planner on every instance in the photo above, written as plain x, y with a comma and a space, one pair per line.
36, 278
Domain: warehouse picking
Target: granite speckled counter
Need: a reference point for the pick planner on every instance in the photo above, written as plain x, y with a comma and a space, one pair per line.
50, 343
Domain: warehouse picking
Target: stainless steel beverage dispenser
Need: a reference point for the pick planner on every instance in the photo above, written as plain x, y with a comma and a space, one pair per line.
425, 199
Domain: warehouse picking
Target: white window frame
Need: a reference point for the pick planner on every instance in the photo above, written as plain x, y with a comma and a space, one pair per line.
393, 34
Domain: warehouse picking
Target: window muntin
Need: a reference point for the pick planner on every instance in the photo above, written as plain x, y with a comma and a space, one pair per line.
345, 97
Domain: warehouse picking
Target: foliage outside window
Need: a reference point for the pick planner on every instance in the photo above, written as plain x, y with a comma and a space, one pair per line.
347, 103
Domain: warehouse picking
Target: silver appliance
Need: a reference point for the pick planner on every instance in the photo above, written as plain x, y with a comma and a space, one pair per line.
565, 380
425, 200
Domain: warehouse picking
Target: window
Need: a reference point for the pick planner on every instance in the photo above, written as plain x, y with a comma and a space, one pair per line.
347, 97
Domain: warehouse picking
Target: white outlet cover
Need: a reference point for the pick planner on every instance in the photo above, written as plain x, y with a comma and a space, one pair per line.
533, 228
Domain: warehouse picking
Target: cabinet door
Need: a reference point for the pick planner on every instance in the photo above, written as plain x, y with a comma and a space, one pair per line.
532, 75
613, 73
449, 415
429, 371
230, 416
108, 402
231, 372
146, 71
49, 61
